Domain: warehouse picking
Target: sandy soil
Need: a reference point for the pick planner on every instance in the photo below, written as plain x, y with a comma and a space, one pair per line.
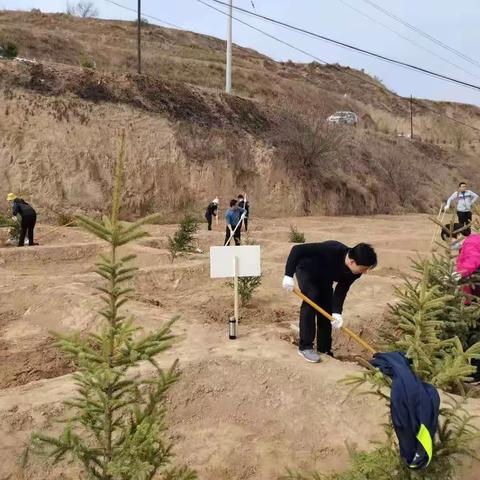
243, 409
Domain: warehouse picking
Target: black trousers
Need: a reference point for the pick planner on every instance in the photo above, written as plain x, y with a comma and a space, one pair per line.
27, 226
464, 218
311, 322
209, 221
236, 236
245, 222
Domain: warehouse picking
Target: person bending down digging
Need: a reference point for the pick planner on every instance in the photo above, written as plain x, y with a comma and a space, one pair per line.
28, 216
211, 212
317, 267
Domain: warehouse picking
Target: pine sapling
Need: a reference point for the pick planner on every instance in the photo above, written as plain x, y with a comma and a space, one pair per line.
115, 424
184, 238
296, 236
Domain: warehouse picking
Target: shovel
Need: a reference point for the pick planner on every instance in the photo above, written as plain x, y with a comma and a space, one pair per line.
319, 309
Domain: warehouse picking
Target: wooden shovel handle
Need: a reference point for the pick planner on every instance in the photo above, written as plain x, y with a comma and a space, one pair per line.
319, 309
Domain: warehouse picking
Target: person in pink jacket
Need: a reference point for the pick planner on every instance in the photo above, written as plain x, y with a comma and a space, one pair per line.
468, 262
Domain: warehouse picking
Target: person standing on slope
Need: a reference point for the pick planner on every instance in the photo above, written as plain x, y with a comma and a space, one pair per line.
317, 267
28, 216
211, 212
242, 203
464, 200
233, 217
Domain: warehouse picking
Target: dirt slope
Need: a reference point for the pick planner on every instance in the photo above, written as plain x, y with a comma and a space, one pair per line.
243, 409
60, 127
189, 142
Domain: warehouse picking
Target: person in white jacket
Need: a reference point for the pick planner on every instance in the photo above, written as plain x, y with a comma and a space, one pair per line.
464, 200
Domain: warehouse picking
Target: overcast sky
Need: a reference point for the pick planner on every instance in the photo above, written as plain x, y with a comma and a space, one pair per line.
454, 23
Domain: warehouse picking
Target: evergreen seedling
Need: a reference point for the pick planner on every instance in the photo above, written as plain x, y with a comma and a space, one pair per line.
115, 425
296, 236
184, 238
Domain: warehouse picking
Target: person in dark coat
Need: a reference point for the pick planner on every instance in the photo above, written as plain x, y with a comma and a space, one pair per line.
28, 218
242, 203
211, 212
317, 267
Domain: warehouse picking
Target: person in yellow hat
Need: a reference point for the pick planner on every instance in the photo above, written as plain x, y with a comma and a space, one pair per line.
28, 216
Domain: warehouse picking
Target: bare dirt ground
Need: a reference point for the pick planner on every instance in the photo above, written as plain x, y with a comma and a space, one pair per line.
243, 409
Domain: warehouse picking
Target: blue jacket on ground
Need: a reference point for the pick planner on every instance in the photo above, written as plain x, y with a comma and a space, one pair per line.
232, 216
414, 407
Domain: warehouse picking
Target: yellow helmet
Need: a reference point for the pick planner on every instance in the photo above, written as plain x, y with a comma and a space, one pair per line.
11, 197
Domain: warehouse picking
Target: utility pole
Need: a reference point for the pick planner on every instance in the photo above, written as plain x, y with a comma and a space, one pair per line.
228, 80
411, 117
139, 36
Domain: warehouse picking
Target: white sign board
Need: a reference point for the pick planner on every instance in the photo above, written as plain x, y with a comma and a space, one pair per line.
222, 261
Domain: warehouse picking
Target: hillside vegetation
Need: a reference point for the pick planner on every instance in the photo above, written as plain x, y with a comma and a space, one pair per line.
188, 141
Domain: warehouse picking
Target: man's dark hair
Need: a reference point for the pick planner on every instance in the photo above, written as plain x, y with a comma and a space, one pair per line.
364, 255
462, 183
241, 196
233, 202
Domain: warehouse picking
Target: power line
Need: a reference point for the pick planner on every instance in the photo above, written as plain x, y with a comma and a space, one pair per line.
159, 20
265, 33
343, 71
356, 49
423, 34
431, 52
295, 48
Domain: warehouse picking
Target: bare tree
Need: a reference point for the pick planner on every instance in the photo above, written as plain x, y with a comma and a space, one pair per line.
400, 176
83, 8
308, 145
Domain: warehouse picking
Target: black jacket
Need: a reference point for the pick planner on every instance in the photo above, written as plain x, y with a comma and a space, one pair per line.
324, 264
21, 207
211, 210
245, 205
414, 406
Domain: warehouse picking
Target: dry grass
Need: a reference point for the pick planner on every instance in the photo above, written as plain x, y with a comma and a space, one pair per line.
271, 140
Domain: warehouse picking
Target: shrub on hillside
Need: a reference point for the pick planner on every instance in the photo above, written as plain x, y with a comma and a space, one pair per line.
8, 49
66, 220
88, 63
308, 145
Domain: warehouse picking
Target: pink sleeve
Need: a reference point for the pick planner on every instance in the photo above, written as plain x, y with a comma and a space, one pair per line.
468, 260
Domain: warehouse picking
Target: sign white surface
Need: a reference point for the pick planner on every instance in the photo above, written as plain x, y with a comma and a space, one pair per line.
222, 261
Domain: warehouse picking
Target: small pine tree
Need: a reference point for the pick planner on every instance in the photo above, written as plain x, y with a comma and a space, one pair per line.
14, 228
115, 425
184, 238
246, 288
420, 328
296, 236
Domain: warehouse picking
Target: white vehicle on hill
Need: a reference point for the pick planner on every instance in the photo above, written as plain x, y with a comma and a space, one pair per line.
345, 118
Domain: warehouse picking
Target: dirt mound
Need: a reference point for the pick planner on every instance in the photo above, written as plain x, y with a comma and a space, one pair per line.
242, 409
32, 363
